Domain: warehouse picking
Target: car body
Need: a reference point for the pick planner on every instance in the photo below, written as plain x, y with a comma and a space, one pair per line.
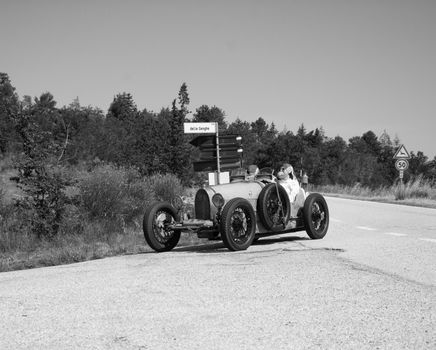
238, 213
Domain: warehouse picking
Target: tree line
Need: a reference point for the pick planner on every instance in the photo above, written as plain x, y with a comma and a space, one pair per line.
41, 134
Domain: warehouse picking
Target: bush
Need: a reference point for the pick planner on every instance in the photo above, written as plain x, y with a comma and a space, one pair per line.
101, 192
15, 228
114, 193
399, 191
166, 187
73, 221
414, 188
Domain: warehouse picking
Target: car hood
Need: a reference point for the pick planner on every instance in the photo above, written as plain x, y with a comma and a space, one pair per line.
248, 190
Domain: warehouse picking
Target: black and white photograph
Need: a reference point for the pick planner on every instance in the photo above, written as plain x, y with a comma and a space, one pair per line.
202, 174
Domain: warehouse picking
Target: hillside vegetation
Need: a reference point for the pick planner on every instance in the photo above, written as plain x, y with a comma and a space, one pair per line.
75, 180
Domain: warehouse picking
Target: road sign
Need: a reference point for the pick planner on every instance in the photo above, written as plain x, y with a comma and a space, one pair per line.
401, 164
199, 128
229, 151
401, 153
211, 165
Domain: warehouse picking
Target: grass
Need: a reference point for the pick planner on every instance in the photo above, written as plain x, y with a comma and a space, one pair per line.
78, 248
415, 192
103, 219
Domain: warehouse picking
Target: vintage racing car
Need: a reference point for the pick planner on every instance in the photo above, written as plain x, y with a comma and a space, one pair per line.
238, 213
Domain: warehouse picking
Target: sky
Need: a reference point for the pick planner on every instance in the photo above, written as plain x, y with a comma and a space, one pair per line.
347, 66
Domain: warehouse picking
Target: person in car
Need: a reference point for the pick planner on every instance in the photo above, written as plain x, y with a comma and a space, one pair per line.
286, 178
253, 170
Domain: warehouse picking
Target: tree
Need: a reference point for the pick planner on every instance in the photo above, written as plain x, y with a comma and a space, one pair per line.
84, 137
372, 143
418, 164
259, 128
208, 114
45, 101
9, 105
119, 129
281, 150
386, 168
262, 135
122, 107
39, 173
150, 152
363, 161
331, 167
301, 132
243, 129
179, 149
314, 138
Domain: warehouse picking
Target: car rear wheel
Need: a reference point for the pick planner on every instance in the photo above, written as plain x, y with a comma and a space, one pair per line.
273, 214
157, 222
238, 224
316, 216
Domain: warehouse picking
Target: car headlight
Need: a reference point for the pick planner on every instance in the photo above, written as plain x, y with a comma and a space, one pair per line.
177, 202
218, 200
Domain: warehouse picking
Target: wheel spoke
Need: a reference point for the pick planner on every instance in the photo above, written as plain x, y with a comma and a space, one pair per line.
275, 210
160, 226
239, 225
318, 216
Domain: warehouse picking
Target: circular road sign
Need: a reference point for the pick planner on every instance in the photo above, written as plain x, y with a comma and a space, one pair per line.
401, 164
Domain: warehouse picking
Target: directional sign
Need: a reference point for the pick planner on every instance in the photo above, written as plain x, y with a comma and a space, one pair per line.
199, 128
401, 153
229, 152
401, 164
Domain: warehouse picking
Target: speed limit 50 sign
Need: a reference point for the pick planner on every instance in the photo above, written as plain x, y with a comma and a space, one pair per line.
401, 164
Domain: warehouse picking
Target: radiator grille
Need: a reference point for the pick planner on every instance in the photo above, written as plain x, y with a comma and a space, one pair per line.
202, 205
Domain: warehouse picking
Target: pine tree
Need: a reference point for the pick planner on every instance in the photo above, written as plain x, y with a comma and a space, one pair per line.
9, 105
179, 150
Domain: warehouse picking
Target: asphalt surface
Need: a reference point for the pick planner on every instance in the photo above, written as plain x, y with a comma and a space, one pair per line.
369, 284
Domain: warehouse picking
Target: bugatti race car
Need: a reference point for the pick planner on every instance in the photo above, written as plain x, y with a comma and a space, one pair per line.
238, 213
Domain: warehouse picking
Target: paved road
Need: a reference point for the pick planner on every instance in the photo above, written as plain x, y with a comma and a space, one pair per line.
396, 239
370, 284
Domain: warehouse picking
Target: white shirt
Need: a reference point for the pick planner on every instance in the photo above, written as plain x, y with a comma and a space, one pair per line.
292, 188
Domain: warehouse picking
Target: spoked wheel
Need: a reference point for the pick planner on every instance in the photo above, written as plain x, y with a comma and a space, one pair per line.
273, 207
159, 218
238, 224
316, 216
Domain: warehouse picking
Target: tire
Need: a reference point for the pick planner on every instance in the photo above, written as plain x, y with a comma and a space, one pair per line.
238, 224
270, 216
316, 216
156, 216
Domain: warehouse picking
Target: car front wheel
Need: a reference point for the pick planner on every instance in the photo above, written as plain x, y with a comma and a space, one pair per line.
316, 216
238, 224
157, 226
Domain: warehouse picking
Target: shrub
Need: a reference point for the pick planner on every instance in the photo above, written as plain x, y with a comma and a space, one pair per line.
114, 193
419, 188
414, 188
399, 191
43, 186
166, 187
101, 192
15, 228
6, 162
73, 221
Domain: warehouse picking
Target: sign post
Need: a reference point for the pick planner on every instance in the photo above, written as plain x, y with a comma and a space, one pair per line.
217, 153
218, 168
401, 164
